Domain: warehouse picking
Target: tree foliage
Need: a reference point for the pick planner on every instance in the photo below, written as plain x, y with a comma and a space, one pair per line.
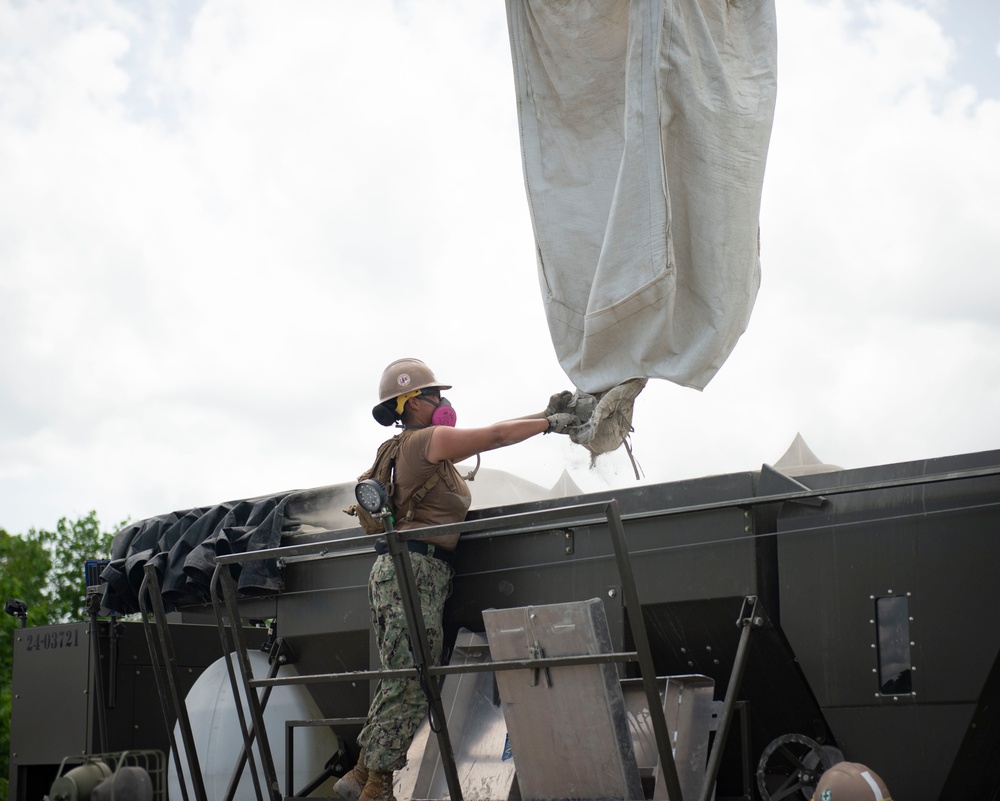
72, 545
45, 569
24, 564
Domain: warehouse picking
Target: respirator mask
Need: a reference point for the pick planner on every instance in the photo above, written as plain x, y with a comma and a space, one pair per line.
444, 414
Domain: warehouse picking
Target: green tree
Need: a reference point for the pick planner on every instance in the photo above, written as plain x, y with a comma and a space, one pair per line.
45, 569
72, 545
25, 564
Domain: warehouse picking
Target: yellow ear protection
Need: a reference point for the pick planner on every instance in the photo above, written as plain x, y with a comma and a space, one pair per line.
402, 399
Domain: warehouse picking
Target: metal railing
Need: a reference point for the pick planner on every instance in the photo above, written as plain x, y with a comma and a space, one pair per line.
606, 511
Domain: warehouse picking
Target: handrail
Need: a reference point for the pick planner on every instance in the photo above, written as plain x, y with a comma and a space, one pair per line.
492, 524
449, 670
401, 554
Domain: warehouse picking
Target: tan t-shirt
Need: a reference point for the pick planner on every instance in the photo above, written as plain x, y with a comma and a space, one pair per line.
447, 502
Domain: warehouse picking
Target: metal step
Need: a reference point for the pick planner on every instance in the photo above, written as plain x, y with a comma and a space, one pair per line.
568, 725
691, 713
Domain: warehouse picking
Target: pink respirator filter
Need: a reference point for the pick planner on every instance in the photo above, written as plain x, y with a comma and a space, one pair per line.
444, 416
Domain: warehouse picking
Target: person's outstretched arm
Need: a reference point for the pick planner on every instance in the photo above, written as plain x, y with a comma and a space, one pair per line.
456, 444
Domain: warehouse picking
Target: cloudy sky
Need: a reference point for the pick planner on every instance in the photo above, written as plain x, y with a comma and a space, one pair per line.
220, 219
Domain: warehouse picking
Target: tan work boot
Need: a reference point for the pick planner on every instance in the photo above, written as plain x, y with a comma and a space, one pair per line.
379, 787
350, 785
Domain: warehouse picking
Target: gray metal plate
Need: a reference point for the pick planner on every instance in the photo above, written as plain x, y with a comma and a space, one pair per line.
568, 726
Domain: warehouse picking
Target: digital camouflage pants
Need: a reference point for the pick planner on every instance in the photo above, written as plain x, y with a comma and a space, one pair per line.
399, 705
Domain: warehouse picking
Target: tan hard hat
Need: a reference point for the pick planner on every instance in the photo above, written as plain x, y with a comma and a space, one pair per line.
851, 781
401, 377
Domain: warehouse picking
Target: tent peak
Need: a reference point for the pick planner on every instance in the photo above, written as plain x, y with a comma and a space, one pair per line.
799, 460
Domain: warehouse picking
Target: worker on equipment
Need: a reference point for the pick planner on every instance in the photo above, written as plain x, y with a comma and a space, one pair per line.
410, 396
851, 781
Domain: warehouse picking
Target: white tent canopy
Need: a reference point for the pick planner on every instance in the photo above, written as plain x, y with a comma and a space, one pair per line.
799, 460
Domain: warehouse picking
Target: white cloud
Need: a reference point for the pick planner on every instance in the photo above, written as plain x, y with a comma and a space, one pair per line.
220, 223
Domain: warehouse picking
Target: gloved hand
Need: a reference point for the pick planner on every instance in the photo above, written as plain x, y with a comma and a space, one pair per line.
558, 403
562, 423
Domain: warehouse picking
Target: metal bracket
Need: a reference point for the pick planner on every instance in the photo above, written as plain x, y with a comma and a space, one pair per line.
282, 653
748, 614
774, 482
535, 651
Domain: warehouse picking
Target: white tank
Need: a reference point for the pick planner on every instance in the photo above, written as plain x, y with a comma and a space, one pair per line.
216, 731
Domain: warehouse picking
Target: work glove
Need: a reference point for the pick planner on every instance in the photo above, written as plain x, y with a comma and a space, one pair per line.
558, 403
562, 423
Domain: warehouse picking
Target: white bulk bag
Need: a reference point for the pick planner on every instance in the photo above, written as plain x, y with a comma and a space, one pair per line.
644, 131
